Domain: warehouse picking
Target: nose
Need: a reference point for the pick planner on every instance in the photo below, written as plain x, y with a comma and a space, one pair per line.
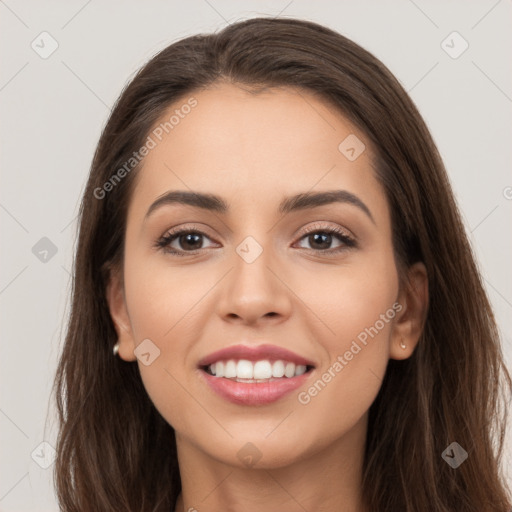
255, 292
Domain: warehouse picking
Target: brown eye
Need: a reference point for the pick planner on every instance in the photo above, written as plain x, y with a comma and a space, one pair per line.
190, 241
320, 239
182, 241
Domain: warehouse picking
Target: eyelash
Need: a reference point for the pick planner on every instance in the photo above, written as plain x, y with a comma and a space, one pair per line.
164, 242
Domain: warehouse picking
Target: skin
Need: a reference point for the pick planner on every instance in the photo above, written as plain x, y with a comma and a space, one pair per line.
253, 150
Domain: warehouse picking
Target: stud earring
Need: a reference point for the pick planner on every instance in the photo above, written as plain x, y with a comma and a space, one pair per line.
115, 350
402, 344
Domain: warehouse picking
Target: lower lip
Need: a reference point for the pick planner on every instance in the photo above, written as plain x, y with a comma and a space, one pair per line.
254, 393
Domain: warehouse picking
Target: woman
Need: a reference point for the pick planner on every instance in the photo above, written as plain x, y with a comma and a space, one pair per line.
275, 304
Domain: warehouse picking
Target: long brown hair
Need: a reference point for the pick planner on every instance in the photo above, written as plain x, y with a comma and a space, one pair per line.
116, 452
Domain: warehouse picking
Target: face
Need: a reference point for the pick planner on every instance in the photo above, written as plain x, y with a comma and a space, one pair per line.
313, 284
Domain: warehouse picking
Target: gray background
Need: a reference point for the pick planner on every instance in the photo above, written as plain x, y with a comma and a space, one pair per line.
53, 111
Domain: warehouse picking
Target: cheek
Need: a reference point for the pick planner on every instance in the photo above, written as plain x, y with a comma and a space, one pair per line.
166, 305
161, 299
350, 299
357, 314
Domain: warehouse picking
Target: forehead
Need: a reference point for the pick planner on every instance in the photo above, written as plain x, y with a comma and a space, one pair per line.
255, 147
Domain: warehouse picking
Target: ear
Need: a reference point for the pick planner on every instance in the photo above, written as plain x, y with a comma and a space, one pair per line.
410, 319
119, 313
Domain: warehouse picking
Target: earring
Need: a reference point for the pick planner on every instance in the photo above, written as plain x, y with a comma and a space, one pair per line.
402, 344
115, 350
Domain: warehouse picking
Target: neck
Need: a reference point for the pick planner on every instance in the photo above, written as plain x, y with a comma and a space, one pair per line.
328, 479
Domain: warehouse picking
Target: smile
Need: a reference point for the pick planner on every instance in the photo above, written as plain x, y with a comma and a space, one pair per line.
259, 375
259, 371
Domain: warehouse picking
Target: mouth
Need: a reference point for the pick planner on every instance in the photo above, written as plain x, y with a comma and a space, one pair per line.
255, 375
261, 371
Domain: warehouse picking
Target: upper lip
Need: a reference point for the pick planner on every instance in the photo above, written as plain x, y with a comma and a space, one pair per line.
254, 353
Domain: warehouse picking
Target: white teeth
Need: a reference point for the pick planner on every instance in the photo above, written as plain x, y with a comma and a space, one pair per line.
259, 370
262, 370
289, 370
230, 369
219, 369
278, 369
244, 369
300, 369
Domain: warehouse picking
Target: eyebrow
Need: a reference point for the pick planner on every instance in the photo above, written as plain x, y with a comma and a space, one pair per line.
303, 201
